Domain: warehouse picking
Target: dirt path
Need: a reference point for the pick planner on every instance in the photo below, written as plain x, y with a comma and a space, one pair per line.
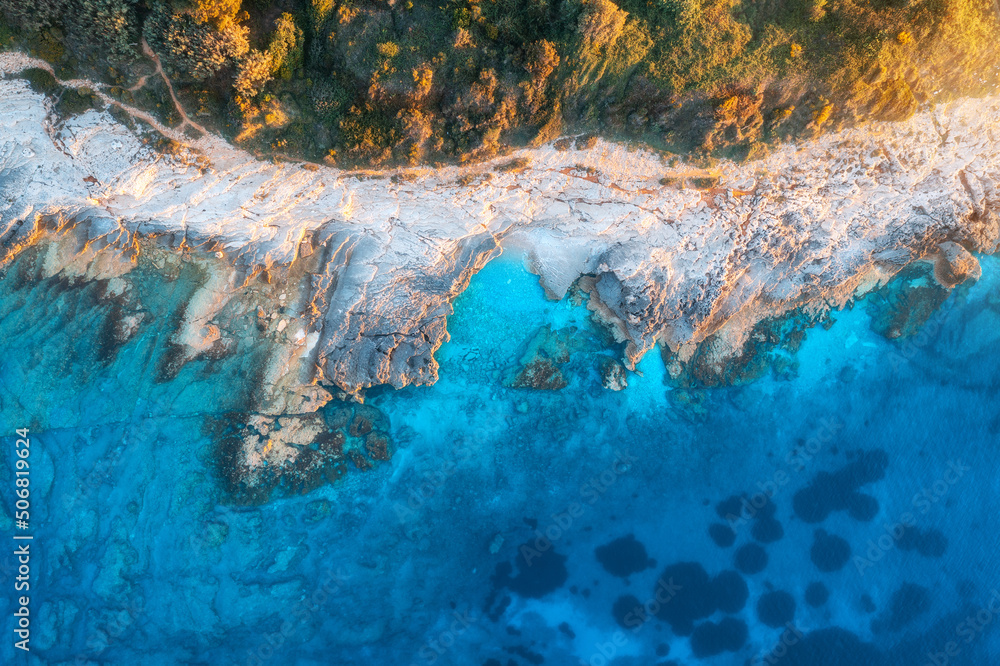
186, 121
11, 62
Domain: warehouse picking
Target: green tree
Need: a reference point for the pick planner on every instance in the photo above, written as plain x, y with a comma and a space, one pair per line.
114, 24
194, 49
34, 15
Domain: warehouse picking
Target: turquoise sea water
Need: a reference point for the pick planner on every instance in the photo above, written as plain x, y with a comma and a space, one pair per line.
516, 526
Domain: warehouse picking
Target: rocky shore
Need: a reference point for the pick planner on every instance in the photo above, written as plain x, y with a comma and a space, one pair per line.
353, 274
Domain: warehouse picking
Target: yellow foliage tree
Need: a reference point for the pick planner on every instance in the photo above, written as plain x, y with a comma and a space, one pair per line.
219, 13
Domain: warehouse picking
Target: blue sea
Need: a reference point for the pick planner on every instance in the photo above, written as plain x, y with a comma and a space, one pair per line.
840, 509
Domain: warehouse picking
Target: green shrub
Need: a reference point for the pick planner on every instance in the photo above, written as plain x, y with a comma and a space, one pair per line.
75, 101
41, 81
7, 34
705, 182
367, 136
330, 100
286, 45
516, 165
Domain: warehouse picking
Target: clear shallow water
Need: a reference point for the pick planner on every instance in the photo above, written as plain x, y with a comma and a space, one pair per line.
140, 559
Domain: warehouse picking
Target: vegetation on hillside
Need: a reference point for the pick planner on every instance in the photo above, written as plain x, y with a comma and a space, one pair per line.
392, 82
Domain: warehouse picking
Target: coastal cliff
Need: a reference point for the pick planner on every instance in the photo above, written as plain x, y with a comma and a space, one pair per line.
352, 274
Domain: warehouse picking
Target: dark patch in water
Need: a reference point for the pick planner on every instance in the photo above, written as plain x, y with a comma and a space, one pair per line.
766, 511
775, 609
836, 492
737, 508
731, 592
862, 507
952, 632
829, 552
869, 467
902, 307
539, 573
495, 609
628, 612
931, 543
710, 639
526, 654
832, 647
767, 530
623, 557
730, 508
908, 603
750, 559
722, 535
817, 594
692, 599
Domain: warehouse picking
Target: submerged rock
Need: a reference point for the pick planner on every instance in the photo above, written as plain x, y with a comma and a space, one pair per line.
833, 646
613, 375
828, 492
55, 623
722, 535
259, 455
767, 530
901, 308
768, 347
539, 374
908, 602
929, 543
731, 592
539, 367
862, 507
628, 612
